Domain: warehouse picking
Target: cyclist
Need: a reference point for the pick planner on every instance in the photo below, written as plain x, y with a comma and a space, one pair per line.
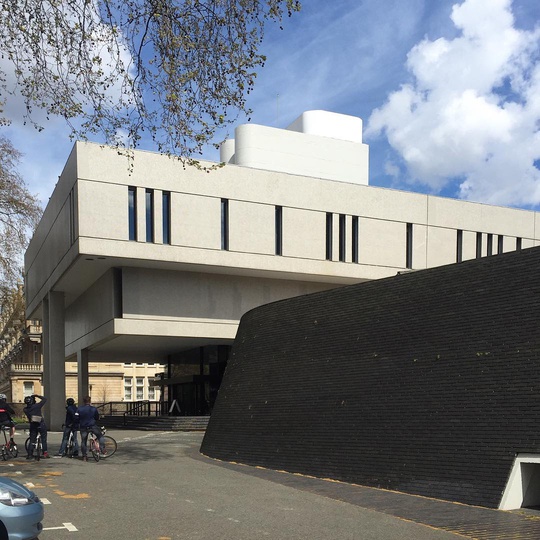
71, 424
37, 423
6, 418
88, 415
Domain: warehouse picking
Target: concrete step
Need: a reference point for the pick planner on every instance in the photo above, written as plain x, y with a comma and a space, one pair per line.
157, 423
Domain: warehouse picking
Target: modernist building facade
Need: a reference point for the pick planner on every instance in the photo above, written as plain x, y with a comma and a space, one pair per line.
21, 364
154, 261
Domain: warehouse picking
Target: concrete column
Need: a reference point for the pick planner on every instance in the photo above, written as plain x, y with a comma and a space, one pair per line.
54, 362
82, 374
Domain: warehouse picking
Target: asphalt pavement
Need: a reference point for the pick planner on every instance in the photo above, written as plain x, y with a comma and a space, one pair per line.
158, 487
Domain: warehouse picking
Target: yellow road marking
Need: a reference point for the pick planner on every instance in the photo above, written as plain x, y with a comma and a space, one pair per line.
65, 495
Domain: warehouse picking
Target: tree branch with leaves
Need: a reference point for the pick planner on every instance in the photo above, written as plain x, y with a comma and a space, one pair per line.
19, 214
175, 70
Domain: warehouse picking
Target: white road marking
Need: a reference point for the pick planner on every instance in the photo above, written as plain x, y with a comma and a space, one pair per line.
69, 526
18, 472
29, 485
45, 501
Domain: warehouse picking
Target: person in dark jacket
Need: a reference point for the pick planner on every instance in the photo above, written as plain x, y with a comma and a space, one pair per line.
37, 423
88, 416
71, 424
6, 417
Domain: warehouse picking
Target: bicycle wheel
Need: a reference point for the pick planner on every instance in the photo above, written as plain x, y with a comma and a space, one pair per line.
4, 453
13, 450
27, 445
70, 448
94, 448
39, 449
110, 447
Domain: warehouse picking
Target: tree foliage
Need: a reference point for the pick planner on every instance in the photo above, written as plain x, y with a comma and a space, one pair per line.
19, 215
176, 70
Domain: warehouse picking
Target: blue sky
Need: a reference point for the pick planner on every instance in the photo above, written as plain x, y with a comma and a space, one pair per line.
449, 93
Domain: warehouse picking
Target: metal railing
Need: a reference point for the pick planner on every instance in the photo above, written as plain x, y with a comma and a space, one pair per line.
133, 408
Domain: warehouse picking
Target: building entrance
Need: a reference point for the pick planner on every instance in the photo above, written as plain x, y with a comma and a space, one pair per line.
193, 379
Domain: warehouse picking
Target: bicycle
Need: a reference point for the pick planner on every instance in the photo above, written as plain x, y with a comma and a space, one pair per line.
38, 447
110, 446
93, 443
70, 446
8, 449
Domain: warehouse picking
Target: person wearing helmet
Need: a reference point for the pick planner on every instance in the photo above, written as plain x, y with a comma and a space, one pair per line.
6, 417
71, 424
37, 423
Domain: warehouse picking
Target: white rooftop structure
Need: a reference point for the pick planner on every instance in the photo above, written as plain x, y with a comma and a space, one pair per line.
318, 143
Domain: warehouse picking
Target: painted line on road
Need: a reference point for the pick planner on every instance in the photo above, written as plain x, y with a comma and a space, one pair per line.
69, 526
29, 485
45, 501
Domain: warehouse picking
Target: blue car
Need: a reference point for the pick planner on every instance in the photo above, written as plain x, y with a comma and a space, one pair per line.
21, 511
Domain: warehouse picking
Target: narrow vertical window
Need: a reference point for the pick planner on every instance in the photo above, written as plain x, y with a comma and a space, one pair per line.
409, 246
478, 245
72, 217
329, 235
166, 209
225, 224
132, 212
518, 243
342, 236
490, 244
279, 230
354, 239
500, 244
149, 215
459, 246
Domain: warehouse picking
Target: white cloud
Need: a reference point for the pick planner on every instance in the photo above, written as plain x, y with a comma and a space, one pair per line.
472, 110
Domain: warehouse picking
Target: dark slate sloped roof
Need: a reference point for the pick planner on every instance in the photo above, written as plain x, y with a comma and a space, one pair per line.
427, 382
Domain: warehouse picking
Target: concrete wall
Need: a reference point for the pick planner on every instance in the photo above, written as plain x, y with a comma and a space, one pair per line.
253, 195
48, 254
93, 309
426, 382
169, 295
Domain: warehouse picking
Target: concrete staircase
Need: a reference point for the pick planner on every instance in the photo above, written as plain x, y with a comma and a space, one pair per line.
156, 423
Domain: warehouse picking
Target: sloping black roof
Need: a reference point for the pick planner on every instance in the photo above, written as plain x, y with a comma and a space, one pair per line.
427, 382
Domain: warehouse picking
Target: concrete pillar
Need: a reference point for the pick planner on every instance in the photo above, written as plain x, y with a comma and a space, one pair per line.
82, 374
54, 362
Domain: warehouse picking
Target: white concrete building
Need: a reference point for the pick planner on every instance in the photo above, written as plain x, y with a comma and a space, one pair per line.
158, 263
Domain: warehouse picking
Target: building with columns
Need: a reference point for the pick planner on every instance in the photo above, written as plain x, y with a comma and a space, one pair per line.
153, 261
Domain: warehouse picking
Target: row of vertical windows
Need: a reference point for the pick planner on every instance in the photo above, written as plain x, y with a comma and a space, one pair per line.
342, 237
342, 230
150, 235
490, 247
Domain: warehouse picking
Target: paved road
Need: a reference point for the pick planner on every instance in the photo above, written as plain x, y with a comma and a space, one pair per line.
158, 487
